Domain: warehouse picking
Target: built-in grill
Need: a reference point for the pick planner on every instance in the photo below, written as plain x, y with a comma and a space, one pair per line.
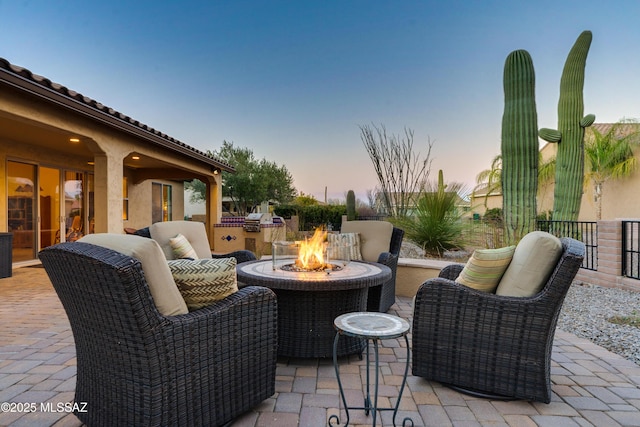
252, 222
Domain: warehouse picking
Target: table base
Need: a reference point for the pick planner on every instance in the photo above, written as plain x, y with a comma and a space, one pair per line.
367, 399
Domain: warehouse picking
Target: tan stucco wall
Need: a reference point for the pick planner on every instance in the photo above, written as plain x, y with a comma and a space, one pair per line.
412, 273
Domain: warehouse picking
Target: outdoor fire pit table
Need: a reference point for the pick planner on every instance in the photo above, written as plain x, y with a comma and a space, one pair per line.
309, 301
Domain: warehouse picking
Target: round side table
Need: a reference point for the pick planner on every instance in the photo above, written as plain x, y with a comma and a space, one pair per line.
372, 327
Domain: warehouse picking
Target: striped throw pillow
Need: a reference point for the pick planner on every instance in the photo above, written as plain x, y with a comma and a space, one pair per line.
350, 241
201, 282
485, 268
182, 248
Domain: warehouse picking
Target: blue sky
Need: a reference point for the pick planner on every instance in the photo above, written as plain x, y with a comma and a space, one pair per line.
294, 80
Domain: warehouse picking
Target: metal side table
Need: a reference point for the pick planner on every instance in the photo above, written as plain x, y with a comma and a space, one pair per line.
372, 327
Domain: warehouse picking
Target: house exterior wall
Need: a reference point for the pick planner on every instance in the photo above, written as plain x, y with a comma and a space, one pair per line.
36, 129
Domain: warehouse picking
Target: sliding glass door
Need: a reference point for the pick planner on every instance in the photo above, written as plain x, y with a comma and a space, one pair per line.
21, 206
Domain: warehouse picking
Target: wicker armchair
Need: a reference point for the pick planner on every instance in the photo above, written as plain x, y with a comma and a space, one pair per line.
489, 345
137, 367
382, 297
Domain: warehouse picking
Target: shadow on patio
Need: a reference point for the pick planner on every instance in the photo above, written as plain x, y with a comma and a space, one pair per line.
591, 385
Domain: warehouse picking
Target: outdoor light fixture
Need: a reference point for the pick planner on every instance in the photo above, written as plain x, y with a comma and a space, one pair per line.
135, 157
74, 139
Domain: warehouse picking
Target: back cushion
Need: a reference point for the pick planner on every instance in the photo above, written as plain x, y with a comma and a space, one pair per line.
163, 289
533, 262
375, 237
195, 232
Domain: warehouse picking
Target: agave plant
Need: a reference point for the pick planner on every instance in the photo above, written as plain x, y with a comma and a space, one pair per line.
435, 224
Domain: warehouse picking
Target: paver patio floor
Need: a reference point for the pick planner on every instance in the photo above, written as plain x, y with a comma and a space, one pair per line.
591, 385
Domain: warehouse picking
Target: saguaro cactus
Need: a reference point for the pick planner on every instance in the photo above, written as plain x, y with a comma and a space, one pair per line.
570, 133
519, 147
351, 205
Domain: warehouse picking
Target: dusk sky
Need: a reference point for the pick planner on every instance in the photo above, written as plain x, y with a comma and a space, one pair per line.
294, 80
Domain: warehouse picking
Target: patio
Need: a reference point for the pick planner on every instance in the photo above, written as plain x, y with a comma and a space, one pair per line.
591, 385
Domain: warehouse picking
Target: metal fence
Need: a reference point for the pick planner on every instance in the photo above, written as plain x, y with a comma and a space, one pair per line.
584, 231
631, 249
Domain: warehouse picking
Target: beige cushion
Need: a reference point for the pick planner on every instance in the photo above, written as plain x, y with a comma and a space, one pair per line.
204, 281
533, 262
485, 268
195, 232
154, 265
346, 244
182, 248
375, 237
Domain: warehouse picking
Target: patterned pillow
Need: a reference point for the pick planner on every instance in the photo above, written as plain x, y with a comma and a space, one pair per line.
204, 281
485, 268
182, 248
347, 240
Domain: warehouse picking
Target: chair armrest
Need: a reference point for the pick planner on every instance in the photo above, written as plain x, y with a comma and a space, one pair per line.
451, 271
240, 256
388, 259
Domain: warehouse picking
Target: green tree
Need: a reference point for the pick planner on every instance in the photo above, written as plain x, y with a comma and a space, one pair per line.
254, 182
609, 156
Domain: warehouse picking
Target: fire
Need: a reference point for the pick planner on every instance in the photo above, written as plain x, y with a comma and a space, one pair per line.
311, 252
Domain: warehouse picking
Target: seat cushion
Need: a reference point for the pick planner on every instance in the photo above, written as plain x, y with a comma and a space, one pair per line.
485, 268
204, 281
182, 248
163, 289
375, 237
533, 262
194, 231
347, 244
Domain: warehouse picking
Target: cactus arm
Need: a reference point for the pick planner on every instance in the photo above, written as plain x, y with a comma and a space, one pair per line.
587, 120
550, 135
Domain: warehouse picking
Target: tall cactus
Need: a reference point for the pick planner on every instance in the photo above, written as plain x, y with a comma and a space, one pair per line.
519, 147
351, 205
570, 133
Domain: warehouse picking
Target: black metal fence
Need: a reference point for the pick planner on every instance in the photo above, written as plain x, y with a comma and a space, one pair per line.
631, 249
585, 231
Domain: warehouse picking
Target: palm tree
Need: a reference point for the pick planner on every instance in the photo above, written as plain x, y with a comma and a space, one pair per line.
609, 156
490, 180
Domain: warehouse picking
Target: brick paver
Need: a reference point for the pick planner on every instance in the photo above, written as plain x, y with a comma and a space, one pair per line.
37, 366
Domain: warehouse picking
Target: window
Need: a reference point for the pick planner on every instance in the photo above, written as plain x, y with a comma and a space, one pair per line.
161, 208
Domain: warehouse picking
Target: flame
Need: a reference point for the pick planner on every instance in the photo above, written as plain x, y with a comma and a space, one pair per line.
311, 252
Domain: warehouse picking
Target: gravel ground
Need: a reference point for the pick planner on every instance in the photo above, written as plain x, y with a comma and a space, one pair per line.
586, 311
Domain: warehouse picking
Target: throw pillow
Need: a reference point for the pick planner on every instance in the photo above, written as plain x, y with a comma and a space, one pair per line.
485, 268
533, 262
204, 281
349, 241
182, 248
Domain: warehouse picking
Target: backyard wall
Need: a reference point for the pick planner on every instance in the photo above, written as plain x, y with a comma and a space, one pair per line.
609, 261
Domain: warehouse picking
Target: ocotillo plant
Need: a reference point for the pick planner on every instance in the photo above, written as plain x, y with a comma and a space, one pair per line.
570, 133
519, 147
351, 205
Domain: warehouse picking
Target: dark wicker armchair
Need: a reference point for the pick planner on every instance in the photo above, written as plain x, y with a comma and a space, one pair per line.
489, 345
382, 297
136, 367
